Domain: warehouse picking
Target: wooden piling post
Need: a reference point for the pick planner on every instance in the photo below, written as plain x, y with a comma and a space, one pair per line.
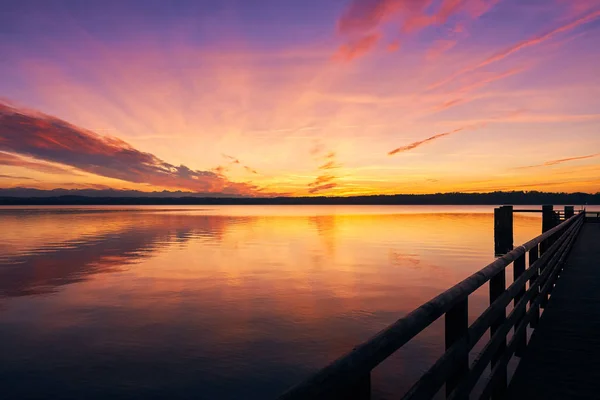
569, 211
503, 230
457, 327
518, 270
497, 288
533, 257
547, 217
547, 224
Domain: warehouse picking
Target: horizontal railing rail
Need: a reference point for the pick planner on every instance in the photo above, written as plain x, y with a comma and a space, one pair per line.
349, 376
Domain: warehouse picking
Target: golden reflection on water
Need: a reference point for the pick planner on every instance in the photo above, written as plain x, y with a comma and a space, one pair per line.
257, 295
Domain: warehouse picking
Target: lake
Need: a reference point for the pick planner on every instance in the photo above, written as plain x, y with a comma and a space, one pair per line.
223, 302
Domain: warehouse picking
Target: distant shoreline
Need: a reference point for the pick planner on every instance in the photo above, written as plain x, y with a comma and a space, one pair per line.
521, 198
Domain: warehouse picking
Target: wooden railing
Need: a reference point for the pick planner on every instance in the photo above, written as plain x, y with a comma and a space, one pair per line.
349, 376
592, 216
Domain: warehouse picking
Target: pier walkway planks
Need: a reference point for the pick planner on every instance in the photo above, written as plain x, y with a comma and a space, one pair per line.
562, 360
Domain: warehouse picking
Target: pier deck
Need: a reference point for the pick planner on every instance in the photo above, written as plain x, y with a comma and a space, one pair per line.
562, 359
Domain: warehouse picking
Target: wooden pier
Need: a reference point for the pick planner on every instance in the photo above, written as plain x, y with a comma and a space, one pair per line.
562, 360
555, 275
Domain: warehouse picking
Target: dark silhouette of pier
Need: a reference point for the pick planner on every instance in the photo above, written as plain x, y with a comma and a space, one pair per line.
555, 292
562, 360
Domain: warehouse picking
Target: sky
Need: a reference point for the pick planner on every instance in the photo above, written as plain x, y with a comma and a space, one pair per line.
300, 97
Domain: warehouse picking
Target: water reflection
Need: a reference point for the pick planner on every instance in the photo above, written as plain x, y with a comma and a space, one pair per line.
217, 304
119, 239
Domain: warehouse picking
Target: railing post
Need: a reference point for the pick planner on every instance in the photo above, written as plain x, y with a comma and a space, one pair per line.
457, 327
359, 389
497, 287
503, 230
569, 211
518, 270
362, 390
547, 224
533, 257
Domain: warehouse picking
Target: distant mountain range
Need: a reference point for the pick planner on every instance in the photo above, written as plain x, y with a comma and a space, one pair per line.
29, 196
31, 192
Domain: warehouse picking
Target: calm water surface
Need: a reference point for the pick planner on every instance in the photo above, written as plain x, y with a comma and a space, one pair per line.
222, 302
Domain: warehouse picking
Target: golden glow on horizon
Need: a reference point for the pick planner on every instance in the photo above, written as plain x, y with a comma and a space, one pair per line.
454, 115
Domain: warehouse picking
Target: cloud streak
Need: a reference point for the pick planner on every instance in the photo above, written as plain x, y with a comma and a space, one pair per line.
519, 46
357, 48
319, 188
560, 161
3, 176
414, 145
362, 17
47, 138
325, 180
16, 161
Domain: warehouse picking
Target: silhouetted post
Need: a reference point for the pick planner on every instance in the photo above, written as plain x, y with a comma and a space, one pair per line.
457, 328
547, 217
503, 230
533, 257
518, 270
547, 224
497, 287
362, 391
569, 211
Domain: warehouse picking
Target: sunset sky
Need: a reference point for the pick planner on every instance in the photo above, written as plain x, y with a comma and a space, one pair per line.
300, 97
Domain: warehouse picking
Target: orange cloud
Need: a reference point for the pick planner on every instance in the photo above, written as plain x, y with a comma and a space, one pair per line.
422, 142
231, 158
322, 187
3, 176
325, 180
251, 170
321, 180
560, 161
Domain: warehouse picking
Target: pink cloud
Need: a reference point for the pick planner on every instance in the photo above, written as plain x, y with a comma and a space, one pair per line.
16, 161
394, 46
357, 48
440, 47
50, 139
362, 17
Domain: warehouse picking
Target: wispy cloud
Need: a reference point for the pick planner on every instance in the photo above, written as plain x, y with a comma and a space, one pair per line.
491, 78
560, 161
439, 47
47, 138
362, 17
319, 188
16, 161
251, 170
322, 179
357, 47
16, 177
232, 159
519, 46
325, 180
414, 145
